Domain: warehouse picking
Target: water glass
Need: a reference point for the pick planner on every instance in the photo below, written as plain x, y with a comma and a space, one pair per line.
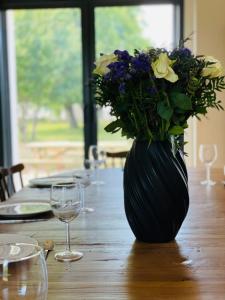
23, 272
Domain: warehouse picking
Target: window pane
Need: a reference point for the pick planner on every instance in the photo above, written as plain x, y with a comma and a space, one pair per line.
133, 27
48, 68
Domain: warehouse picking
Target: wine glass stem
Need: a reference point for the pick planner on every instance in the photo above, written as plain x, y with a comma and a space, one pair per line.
207, 172
96, 173
67, 236
82, 197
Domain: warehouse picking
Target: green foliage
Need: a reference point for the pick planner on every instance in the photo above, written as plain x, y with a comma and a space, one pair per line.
118, 27
48, 54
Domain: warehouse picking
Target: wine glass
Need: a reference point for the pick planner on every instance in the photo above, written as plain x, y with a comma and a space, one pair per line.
97, 157
78, 179
66, 206
208, 155
23, 272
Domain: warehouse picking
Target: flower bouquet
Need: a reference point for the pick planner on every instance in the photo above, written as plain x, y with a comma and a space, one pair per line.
152, 93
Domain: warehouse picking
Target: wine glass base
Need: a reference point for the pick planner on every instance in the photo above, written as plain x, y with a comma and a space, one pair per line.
87, 210
68, 255
208, 182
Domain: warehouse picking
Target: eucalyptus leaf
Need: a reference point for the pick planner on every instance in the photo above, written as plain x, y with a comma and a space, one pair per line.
113, 126
176, 130
181, 101
164, 111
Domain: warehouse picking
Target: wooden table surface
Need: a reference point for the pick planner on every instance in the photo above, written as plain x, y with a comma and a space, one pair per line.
115, 266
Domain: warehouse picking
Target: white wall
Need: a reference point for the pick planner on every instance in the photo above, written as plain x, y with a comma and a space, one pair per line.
205, 18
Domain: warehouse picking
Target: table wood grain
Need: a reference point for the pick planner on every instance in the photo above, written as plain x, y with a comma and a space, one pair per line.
115, 266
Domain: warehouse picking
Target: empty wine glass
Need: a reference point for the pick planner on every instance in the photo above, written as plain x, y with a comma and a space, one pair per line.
66, 206
23, 272
79, 178
208, 155
97, 157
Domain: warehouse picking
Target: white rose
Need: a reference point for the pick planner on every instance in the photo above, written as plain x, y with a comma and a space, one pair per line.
162, 68
103, 62
213, 70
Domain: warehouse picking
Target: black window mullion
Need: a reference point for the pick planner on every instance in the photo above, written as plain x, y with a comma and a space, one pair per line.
5, 120
88, 51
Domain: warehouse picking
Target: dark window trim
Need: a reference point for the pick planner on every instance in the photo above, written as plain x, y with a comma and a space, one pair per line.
25, 4
88, 50
5, 120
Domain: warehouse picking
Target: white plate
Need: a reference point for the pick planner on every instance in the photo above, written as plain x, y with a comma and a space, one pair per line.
48, 181
23, 210
17, 251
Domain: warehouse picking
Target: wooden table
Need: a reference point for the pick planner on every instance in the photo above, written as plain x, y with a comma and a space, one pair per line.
115, 266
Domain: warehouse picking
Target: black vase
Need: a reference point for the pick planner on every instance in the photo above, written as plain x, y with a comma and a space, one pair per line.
155, 191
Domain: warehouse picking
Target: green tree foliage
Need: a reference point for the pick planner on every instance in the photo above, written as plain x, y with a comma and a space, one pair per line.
119, 28
49, 58
48, 53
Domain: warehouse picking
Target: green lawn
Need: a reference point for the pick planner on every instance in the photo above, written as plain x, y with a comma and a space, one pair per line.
61, 131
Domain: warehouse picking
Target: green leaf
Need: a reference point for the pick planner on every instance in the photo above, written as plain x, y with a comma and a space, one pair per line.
176, 130
164, 111
201, 110
181, 101
113, 126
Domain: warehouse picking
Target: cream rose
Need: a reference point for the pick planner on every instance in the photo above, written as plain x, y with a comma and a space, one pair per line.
162, 68
212, 70
102, 63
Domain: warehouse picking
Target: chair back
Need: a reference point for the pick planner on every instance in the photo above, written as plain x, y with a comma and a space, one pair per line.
4, 188
7, 183
18, 168
115, 156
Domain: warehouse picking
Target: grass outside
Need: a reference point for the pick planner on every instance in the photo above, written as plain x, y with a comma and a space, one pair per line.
61, 131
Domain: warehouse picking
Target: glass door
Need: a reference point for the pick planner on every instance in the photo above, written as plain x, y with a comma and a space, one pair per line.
45, 67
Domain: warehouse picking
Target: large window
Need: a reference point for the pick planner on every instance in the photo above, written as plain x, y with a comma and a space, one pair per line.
50, 56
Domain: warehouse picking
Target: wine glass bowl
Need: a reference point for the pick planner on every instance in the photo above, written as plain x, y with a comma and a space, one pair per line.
208, 155
23, 272
79, 180
66, 206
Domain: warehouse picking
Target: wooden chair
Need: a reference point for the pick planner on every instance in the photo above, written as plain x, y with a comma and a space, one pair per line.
18, 168
4, 189
7, 183
115, 156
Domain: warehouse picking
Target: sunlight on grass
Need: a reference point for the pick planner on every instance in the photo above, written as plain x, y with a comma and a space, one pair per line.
61, 131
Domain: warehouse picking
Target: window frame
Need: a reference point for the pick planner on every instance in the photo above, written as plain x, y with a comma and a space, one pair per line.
88, 49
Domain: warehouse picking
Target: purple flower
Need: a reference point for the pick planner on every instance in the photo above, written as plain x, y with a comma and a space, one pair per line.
140, 63
119, 70
123, 55
181, 52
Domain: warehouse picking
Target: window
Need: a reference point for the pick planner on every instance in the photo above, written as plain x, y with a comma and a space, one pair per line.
69, 50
